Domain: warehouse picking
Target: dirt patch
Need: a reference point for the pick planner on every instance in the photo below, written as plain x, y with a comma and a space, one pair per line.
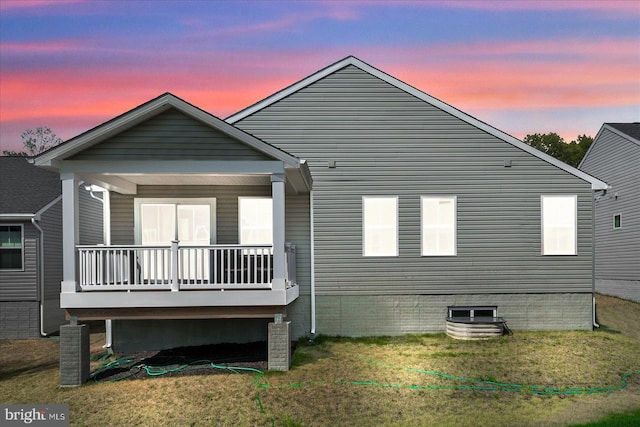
186, 361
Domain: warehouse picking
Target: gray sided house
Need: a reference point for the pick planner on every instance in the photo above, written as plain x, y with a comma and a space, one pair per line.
614, 157
30, 247
349, 203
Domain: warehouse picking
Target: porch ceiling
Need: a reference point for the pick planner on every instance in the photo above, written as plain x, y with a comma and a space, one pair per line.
124, 176
126, 183
199, 179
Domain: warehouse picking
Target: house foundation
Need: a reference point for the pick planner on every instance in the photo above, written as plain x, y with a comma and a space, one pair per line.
74, 355
279, 346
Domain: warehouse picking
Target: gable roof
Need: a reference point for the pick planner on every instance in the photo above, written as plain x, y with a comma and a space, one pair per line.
26, 189
627, 131
596, 184
632, 130
148, 110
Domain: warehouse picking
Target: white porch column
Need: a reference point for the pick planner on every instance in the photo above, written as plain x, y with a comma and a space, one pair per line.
279, 264
69, 231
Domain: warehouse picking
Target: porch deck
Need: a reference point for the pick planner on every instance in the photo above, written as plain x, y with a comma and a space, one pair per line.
213, 281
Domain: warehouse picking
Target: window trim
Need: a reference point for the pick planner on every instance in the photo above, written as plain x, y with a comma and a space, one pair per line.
397, 229
455, 225
472, 311
22, 266
575, 224
240, 218
619, 215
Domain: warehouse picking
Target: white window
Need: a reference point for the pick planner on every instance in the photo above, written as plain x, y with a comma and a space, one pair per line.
559, 225
11, 256
380, 226
255, 220
438, 226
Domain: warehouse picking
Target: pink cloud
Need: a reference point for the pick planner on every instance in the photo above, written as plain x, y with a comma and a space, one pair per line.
487, 79
47, 46
609, 6
288, 21
26, 4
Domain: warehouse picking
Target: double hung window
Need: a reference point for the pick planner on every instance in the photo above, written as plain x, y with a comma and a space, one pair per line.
11, 247
380, 226
559, 225
438, 226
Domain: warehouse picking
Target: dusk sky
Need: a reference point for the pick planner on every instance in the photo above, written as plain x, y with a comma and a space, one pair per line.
521, 66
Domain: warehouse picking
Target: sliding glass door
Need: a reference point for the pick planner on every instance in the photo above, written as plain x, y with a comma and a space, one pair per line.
190, 221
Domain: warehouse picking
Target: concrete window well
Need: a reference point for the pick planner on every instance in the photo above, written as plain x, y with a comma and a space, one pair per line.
474, 323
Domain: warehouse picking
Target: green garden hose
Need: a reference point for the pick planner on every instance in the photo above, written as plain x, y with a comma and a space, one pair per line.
473, 384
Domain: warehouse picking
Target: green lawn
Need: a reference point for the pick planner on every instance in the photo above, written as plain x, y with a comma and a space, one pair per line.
529, 378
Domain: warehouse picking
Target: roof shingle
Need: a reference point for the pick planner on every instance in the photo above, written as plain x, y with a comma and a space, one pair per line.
25, 188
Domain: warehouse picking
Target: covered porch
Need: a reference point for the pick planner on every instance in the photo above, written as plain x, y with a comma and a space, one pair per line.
195, 226
175, 260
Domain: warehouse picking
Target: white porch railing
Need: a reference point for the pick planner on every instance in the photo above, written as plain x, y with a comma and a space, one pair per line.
133, 267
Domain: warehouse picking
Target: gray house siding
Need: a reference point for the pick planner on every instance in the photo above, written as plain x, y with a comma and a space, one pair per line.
21, 285
168, 136
616, 160
51, 224
91, 227
19, 306
122, 208
297, 217
134, 335
20, 291
386, 142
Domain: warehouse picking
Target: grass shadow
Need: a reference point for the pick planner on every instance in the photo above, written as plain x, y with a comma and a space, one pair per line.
183, 361
6, 374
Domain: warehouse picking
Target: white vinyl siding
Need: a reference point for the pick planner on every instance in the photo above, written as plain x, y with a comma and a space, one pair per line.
255, 220
438, 226
559, 225
380, 226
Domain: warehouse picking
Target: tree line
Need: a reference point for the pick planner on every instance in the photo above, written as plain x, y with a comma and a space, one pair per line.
36, 141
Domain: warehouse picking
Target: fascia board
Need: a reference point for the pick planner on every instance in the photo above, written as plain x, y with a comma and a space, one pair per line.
145, 111
289, 90
234, 132
48, 206
597, 137
16, 217
595, 183
186, 167
622, 134
595, 141
28, 216
103, 131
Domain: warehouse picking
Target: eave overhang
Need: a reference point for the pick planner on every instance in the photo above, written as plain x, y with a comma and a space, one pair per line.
596, 184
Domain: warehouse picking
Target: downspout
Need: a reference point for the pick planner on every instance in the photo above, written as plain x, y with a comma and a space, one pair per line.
313, 267
106, 208
106, 238
40, 274
593, 257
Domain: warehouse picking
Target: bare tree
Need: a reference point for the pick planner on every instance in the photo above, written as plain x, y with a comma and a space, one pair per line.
35, 141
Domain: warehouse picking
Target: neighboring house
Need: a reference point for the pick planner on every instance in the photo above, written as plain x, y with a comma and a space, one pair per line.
350, 203
30, 247
614, 157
